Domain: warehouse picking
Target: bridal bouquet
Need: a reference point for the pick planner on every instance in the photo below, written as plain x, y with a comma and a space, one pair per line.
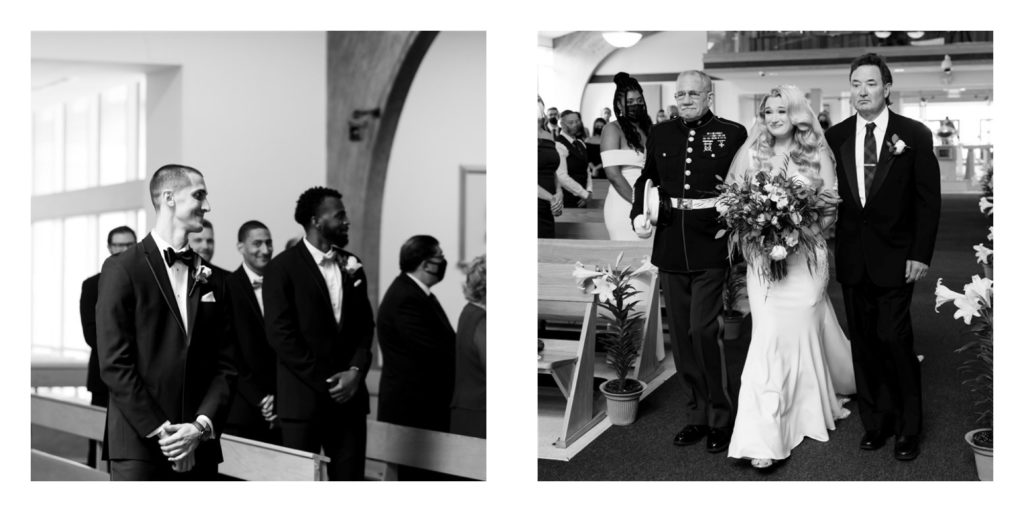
768, 217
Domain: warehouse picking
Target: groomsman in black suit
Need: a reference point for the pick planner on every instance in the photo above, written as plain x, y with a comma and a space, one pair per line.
573, 177
203, 244
686, 158
252, 410
119, 240
885, 237
320, 324
417, 345
164, 344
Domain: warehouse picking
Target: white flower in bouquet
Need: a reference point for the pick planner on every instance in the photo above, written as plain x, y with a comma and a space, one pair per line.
722, 207
775, 221
761, 219
982, 253
782, 202
792, 238
796, 218
778, 253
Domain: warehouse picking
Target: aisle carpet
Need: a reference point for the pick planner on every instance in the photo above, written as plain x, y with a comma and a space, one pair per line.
644, 450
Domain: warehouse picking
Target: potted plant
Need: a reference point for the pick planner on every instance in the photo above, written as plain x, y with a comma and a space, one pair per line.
986, 205
616, 295
733, 292
974, 306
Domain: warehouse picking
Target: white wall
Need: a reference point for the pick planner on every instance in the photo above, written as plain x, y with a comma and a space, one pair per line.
442, 127
664, 52
248, 109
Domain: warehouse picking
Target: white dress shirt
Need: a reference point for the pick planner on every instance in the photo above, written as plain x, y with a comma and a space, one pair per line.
178, 276
881, 123
332, 276
563, 170
255, 278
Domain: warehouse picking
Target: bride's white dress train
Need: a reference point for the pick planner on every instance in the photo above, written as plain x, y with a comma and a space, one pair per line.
798, 361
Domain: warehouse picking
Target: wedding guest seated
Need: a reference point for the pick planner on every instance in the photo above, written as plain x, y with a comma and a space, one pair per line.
417, 346
469, 402
252, 411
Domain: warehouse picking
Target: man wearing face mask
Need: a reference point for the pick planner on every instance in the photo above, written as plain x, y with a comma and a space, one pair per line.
320, 325
553, 121
418, 346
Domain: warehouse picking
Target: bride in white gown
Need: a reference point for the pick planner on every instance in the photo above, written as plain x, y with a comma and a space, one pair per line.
622, 154
799, 359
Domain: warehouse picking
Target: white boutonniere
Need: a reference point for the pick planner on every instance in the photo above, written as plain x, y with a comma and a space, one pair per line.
352, 265
202, 275
896, 145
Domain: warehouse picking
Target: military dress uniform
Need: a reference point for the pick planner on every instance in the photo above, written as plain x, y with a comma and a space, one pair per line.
686, 160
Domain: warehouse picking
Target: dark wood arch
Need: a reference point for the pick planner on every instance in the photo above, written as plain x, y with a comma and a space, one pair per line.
367, 71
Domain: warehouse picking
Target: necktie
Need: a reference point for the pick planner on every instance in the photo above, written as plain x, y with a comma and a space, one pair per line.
870, 157
188, 257
257, 282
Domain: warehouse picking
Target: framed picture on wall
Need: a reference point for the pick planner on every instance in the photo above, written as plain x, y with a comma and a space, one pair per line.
472, 212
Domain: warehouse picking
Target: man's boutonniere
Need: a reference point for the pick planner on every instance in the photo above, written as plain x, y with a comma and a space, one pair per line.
352, 265
896, 145
202, 275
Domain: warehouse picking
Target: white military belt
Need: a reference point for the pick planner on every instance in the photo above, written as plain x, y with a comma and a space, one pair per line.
682, 203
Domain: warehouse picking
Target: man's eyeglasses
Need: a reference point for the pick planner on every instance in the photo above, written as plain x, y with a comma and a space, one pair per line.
693, 95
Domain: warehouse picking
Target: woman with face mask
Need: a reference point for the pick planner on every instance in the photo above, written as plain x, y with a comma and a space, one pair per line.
549, 194
798, 359
622, 154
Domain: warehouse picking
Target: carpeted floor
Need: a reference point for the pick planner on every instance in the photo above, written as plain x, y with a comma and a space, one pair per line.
644, 450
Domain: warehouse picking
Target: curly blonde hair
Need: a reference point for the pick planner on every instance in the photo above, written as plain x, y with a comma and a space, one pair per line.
808, 136
475, 287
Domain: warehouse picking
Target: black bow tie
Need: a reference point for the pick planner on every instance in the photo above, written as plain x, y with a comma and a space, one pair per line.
188, 257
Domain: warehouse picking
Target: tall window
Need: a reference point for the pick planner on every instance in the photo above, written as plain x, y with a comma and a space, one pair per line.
81, 146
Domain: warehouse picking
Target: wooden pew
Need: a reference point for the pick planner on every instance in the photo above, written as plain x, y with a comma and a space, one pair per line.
247, 459
570, 363
46, 468
605, 252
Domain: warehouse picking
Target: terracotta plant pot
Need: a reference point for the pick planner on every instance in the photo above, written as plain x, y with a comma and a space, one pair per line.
732, 321
982, 456
622, 407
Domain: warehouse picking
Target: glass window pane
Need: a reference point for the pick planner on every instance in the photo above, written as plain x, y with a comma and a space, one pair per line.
142, 129
114, 136
80, 243
80, 145
47, 278
46, 151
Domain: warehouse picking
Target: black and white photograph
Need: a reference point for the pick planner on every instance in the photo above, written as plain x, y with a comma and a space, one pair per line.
258, 255
765, 255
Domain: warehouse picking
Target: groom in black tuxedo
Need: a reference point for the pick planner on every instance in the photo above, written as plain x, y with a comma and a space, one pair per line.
320, 324
163, 341
885, 236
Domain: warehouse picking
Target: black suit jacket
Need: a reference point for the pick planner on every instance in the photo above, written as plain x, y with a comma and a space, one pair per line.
87, 312
155, 369
688, 160
900, 218
255, 360
418, 350
310, 345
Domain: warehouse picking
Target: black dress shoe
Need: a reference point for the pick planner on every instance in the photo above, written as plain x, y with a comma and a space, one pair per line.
718, 439
873, 440
907, 447
690, 434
